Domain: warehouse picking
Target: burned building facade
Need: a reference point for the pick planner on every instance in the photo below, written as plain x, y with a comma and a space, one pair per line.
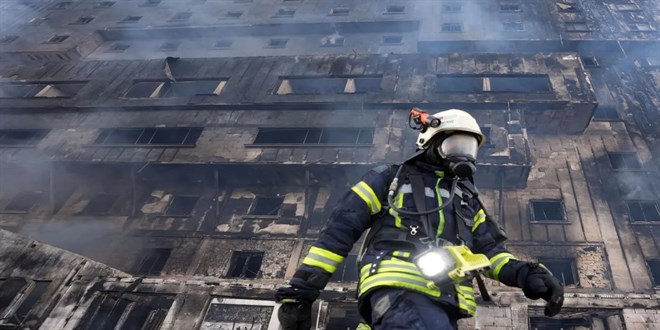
167, 164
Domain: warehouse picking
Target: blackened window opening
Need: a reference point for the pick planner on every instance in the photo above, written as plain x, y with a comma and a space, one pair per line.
284, 12
509, 7
395, 9
152, 261
606, 113
347, 272
266, 205
452, 8
100, 204
315, 136
22, 137
654, 267
111, 310
169, 46
547, 210
179, 88
451, 27
41, 90
23, 202
183, 16
181, 206
329, 85
9, 289
162, 136
643, 211
475, 83
392, 40
37, 290
547, 323
245, 264
563, 269
624, 160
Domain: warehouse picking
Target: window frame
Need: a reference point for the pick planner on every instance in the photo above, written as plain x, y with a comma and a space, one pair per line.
488, 83
38, 198
38, 135
144, 254
190, 214
303, 144
562, 207
645, 221
109, 131
639, 166
572, 263
235, 254
161, 90
350, 85
255, 204
450, 27
655, 281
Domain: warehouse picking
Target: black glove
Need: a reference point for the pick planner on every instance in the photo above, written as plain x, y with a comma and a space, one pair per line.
537, 282
296, 310
297, 298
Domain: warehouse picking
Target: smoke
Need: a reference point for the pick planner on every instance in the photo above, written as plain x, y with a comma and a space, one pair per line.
94, 238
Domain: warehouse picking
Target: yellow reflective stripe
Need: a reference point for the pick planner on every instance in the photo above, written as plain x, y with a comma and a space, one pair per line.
466, 299
288, 300
402, 254
324, 259
398, 201
497, 262
441, 213
465, 290
368, 195
392, 262
407, 281
467, 306
363, 326
390, 269
479, 218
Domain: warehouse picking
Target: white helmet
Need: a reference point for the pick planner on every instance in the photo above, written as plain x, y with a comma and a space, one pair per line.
452, 120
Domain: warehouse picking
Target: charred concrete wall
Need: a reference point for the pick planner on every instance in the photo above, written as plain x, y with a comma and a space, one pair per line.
198, 184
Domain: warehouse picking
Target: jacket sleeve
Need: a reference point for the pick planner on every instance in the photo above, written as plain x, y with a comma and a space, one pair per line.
348, 220
504, 265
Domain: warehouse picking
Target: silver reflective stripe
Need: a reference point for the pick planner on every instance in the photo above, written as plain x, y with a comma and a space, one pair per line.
373, 204
444, 193
407, 189
322, 259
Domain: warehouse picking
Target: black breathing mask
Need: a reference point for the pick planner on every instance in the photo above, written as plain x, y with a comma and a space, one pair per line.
458, 152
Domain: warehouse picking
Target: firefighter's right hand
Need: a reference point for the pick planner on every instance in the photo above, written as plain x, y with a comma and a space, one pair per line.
295, 316
296, 310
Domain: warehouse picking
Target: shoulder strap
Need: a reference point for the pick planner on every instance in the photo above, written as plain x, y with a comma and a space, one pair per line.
419, 196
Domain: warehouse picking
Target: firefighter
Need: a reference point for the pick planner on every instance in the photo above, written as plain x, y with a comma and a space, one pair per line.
392, 293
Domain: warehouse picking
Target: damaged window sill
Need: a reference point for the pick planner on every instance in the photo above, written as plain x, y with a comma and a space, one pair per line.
139, 146
302, 145
260, 217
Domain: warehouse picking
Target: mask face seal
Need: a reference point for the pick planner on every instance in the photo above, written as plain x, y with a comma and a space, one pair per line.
459, 152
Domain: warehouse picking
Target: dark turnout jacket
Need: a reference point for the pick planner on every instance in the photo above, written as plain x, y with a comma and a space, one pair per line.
387, 259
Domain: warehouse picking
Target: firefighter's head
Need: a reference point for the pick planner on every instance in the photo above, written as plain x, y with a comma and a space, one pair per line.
454, 143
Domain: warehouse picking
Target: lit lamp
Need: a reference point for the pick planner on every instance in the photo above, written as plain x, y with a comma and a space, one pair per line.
450, 264
435, 265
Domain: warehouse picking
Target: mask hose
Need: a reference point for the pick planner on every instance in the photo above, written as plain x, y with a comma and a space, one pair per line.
394, 185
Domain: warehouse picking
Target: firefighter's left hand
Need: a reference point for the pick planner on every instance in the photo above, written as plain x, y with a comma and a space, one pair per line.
539, 283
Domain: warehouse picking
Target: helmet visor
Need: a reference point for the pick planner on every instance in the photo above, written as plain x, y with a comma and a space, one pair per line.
459, 144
